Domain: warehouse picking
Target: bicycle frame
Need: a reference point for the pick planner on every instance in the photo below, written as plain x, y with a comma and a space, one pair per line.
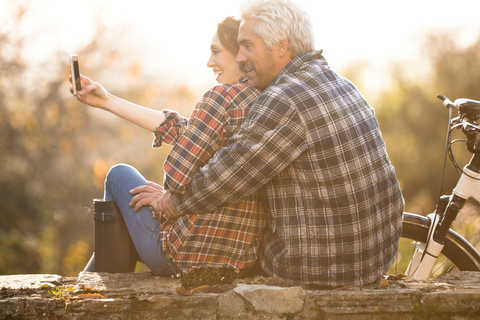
423, 259
468, 185
425, 256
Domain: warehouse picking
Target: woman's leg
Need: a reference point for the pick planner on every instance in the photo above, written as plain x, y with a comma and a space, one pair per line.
143, 228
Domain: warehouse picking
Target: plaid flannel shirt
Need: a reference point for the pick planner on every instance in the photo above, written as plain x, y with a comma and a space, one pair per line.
312, 146
230, 236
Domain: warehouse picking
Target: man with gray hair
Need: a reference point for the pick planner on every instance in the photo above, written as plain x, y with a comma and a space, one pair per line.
312, 146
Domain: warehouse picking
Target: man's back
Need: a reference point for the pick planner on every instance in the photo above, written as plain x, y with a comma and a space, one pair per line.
335, 208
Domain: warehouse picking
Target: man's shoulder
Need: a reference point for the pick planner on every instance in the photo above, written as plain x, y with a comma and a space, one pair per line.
303, 78
292, 85
277, 92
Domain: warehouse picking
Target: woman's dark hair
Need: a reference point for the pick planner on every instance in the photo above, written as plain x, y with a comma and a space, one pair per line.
227, 32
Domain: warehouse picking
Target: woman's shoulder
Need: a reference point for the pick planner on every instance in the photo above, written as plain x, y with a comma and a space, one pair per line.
233, 91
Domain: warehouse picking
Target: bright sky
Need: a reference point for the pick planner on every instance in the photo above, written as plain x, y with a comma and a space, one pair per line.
175, 35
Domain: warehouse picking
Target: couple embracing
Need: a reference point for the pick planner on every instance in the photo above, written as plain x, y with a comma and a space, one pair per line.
282, 164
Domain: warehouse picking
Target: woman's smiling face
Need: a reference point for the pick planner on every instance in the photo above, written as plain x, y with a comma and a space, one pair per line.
223, 63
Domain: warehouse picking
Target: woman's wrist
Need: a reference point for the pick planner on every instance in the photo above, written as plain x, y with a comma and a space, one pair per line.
109, 102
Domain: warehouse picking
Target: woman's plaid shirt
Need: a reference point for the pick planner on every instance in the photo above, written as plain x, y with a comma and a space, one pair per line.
312, 146
230, 236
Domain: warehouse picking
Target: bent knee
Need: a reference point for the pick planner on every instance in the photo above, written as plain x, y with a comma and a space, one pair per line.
119, 170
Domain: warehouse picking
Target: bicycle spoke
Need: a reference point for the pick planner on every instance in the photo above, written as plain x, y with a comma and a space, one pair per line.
439, 268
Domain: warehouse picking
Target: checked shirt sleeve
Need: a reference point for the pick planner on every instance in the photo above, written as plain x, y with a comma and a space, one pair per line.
270, 139
204, 135
170, 129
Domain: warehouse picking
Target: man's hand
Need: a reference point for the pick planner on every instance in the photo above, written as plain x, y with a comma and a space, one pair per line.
147, 195
166, 206
155, 196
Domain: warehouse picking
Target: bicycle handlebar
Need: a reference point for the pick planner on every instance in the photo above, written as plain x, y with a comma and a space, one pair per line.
464, 106
446, 102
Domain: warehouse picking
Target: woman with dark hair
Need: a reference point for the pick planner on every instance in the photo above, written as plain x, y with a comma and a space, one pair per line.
228, 238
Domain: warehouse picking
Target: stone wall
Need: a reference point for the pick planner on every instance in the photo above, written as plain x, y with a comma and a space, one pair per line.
146, 296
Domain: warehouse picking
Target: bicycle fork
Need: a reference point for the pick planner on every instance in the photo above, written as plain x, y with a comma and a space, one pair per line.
425, 255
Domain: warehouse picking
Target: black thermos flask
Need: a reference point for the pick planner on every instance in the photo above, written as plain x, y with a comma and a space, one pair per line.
114, 248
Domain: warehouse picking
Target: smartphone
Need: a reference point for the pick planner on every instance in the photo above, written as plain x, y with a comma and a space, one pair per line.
75, 72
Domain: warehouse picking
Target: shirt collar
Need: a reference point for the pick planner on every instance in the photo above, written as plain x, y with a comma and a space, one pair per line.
297, 62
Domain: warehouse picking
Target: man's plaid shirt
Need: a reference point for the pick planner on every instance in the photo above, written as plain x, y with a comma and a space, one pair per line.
228, 237
312, 147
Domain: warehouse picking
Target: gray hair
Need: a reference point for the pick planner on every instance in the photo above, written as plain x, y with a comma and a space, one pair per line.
277, 20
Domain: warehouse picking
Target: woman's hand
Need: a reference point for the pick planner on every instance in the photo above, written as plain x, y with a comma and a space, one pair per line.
92, 93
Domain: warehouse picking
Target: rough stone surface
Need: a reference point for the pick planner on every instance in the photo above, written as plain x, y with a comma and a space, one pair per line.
232, 305
30, 281
273, 299
146, 296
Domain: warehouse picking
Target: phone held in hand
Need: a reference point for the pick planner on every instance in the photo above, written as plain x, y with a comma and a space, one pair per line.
75, 72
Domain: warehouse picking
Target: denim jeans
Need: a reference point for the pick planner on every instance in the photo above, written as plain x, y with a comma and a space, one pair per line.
143, 227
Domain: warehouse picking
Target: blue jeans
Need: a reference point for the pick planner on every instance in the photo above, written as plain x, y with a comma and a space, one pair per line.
143, 227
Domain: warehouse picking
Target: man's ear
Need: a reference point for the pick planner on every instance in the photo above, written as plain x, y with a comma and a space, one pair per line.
283, 47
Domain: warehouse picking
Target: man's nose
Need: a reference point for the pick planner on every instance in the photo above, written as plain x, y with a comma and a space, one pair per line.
241, 57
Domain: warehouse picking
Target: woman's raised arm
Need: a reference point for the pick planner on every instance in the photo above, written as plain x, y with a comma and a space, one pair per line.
94, 95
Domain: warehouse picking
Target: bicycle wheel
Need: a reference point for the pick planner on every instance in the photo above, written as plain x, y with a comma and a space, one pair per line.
457, 255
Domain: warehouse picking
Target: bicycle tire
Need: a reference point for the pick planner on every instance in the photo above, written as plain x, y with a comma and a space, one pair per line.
458, 250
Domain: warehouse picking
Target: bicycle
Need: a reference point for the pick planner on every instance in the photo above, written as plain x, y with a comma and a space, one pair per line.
432, 235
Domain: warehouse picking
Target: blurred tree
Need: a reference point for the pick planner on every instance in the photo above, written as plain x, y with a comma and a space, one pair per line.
414, 122
55, 152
